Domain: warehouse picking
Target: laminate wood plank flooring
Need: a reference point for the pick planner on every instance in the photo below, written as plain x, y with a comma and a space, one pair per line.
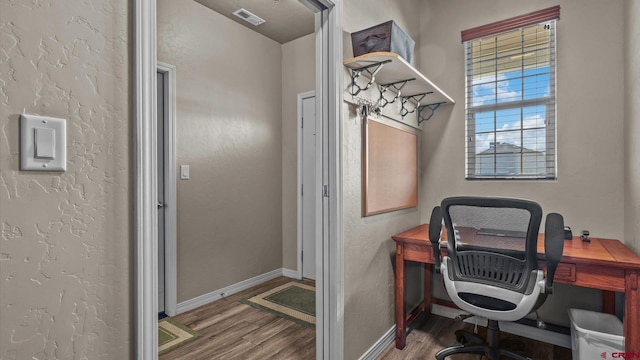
438, 332
230, 329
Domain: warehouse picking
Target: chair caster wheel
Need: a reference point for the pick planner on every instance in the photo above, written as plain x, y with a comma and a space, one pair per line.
461, 339
467, 338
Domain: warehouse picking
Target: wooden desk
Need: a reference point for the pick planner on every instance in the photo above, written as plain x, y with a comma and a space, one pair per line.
603, 264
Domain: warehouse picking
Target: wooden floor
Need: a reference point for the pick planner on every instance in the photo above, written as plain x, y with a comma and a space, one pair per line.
437, 333
232, 330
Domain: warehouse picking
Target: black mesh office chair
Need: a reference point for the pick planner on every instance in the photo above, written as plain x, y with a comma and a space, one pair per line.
491, 267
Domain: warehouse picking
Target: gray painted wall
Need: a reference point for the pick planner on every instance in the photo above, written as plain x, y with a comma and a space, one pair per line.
229, 130
368, 276
298, 76
589, 191
632, 124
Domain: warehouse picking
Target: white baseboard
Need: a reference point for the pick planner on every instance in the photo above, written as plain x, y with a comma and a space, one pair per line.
509, 327
228, 290
294, 274
380, 346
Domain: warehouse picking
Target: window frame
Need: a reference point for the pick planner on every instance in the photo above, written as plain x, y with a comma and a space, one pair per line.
545, 16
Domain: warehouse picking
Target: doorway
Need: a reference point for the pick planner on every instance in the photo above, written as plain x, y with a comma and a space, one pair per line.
166, 189
329, 73
161, 186
307, 179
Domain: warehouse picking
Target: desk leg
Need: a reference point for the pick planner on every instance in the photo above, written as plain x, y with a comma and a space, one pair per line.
401, 321
632, 311
608, 302
428, 279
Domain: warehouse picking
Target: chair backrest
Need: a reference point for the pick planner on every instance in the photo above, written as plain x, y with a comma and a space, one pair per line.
492, 241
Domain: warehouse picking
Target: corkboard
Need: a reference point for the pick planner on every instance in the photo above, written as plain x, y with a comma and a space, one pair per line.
390, 168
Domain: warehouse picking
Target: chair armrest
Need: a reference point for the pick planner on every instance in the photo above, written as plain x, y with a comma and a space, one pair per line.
435, 227
553, 246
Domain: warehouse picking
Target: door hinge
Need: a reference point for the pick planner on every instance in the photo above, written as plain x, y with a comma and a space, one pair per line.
325, 190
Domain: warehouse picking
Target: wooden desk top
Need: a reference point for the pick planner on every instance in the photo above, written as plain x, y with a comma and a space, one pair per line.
608, 252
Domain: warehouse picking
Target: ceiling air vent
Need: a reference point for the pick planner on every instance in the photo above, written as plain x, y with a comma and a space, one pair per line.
249, 17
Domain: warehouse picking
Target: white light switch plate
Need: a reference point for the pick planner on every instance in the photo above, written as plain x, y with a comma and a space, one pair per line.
184, 172
43, 143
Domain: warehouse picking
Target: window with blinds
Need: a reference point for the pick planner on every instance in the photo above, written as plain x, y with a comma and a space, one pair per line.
511, 101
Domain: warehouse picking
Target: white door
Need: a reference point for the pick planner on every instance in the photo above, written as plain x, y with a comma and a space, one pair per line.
161, 200
308, 168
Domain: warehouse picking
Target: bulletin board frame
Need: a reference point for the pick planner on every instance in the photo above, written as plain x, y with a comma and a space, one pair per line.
390, 168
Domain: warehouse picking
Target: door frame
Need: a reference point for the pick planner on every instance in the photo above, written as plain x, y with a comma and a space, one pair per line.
329, 254
168, 71
300, 98
329, 251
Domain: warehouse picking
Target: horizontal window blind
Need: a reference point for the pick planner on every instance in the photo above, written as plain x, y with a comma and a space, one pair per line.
511, 104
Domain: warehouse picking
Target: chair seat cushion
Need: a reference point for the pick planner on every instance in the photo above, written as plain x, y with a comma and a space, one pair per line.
486, 302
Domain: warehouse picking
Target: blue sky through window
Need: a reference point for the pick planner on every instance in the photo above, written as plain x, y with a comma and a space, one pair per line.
520, 126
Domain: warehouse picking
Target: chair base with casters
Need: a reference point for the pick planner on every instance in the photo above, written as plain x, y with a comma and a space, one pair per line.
469, 343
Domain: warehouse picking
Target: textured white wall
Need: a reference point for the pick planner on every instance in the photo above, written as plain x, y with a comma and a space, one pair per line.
632, 125
65, 249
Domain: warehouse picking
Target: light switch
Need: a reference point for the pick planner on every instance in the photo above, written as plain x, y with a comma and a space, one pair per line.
43, 143
184, 172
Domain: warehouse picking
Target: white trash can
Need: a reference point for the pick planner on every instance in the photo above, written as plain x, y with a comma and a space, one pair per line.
595, 335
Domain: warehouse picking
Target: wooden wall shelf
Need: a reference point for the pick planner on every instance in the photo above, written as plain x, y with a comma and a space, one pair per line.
384, 68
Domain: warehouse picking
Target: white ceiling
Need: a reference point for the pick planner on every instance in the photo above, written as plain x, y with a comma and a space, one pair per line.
286, 20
